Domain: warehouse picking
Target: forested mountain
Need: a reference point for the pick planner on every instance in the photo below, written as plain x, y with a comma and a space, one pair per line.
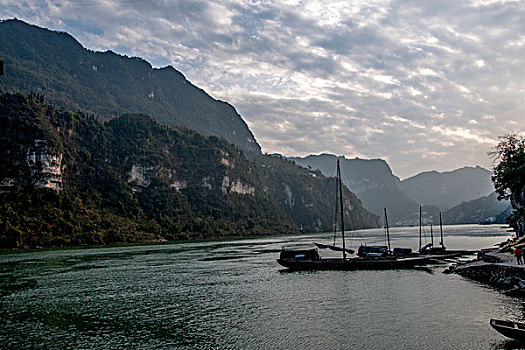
487, 209
372, 181
106, 84
449, 188
68, 179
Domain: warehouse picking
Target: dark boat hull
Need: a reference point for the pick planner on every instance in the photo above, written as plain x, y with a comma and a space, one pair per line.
350, 264
448, 254
514, 330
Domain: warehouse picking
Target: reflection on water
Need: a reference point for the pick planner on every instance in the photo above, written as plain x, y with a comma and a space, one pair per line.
234, 295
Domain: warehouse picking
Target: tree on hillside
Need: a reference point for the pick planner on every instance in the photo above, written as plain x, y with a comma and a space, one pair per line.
509, 177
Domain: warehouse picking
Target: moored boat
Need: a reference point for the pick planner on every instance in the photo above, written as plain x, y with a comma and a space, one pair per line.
438, 252
368, 257
510, 329
312, 261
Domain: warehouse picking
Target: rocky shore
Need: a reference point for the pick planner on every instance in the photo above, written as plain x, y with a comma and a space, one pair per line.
496, 268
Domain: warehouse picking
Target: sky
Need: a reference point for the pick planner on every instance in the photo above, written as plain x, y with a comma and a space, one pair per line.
425, 85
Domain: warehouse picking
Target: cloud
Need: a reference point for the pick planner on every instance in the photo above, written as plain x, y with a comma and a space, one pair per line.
424, 85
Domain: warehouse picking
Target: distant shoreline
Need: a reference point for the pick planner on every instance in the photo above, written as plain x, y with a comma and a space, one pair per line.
131, 244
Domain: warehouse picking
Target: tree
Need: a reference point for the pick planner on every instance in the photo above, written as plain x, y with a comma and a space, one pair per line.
509, 177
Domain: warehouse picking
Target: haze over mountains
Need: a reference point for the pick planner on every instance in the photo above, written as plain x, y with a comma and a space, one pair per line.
370, 179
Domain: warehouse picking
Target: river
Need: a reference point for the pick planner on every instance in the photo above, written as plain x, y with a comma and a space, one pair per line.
234, 295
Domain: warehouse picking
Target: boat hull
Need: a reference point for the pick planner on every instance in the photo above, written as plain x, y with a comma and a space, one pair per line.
514, 330
358, 263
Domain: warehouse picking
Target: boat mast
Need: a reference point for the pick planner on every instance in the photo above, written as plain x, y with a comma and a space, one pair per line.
419, 228
387, 231
441, 229
431, 236
339, 183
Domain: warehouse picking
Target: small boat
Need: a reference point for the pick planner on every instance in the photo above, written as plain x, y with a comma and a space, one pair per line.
514, 330
299, 261
368, 257
438, 252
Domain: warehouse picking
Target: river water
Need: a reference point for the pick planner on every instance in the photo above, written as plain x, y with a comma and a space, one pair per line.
234, 295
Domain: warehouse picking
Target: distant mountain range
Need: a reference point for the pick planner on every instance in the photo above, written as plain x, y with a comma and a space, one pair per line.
370, 179
106, 84
450, 188
375, 184
483, 210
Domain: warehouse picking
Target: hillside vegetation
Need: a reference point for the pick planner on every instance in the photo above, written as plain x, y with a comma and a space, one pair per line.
69, 179
107, 84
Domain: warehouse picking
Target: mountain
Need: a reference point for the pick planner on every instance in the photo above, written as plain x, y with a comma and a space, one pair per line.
377, 187
371, 180
107, 84
487, 209
69, 179
447, 189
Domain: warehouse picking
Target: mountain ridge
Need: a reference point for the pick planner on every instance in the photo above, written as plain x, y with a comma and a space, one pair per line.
371, 179
108, 84
375, 184
449, 188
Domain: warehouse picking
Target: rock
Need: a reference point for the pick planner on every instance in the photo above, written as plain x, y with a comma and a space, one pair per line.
494, 269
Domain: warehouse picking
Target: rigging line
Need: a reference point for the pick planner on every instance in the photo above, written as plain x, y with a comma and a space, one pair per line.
323, 191
384, 227
327, 182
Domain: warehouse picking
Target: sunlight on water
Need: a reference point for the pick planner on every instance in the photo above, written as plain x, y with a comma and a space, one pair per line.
233, 295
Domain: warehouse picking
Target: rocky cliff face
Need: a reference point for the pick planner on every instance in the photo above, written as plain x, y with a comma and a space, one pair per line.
45, 166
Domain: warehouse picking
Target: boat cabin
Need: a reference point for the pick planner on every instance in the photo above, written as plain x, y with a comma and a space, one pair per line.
372, 251
430, 249
288, 253
402, 251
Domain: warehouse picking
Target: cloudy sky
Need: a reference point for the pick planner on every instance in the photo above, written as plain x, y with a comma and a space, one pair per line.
425, 85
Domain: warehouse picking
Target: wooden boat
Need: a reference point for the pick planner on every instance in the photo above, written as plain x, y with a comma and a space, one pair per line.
368, 258
514, 330
438, 252
307, 263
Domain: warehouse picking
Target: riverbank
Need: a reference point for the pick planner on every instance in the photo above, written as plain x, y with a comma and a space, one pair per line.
495, 268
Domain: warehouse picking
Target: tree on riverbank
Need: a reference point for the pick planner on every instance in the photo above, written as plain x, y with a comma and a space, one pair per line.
509, 177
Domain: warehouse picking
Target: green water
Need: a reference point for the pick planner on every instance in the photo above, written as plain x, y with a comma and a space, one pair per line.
233, 295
